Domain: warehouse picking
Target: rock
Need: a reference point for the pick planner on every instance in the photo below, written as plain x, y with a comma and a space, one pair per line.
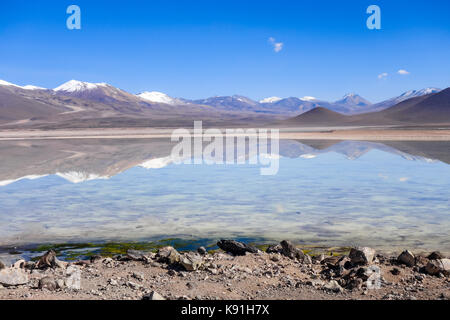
290, 251
191, 262
235, 247
95, 258
333, 286
277, 248
48, 283
20, 264
362, 255
395, 271
73, 278
153, 296
168, 255
135, 255
202, 251
435, 255
434, 267
138, 276
13, 277
2, 265
355, 284
61, 284
133, 285
407, 258
49, 260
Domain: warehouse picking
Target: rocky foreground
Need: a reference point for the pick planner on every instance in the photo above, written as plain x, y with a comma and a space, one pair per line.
238, 271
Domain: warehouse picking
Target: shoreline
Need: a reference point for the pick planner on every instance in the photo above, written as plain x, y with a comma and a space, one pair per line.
235, 271
366, 134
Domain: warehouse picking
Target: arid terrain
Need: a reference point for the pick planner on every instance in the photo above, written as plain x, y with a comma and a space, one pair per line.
238, 271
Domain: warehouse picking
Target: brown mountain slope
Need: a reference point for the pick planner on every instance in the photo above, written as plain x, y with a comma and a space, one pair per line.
318, 116
425, 110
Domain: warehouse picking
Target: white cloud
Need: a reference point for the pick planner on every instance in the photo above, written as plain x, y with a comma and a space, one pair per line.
277, 46
402, 72
383, 75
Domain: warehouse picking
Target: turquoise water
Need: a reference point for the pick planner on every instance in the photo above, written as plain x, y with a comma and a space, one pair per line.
379, 197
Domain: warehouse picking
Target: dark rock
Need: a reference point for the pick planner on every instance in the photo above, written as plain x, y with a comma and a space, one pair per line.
407, 258
395, 271
202, 251
96, 258
49, 260
235, 247
355, 284
435, 255
290, 251
435, 267
362, 255
275, 248
2, 265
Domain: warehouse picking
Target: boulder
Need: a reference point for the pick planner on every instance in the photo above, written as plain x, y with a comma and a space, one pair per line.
276, 248
435, 255
48, 283
20, 264
73, 278
153, 296
202, 251
362, 255
168, 255
236, 248
434, 267
2, 265
289, 250
191, 262
407, 258
49, 260
13, 277
135, 255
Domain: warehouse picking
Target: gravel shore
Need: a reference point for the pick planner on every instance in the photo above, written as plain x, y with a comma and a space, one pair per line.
238, 271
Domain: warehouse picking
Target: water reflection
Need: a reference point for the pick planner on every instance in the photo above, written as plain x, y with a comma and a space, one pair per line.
326, 192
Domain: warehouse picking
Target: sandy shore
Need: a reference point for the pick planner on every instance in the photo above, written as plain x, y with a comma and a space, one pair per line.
310, 134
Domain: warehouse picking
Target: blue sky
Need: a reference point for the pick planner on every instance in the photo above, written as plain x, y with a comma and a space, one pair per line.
198, 48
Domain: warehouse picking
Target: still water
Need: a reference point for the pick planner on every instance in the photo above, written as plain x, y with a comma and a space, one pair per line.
389, 195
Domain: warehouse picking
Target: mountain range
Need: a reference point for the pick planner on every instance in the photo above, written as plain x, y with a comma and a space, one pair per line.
84, 104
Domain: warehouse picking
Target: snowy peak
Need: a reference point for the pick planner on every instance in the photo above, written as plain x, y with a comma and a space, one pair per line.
78, 86
27, 87
417, 93
308, 98
9, 84
158, 97
270, 100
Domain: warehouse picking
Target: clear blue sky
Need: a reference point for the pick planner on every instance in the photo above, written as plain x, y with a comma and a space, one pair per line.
198, 48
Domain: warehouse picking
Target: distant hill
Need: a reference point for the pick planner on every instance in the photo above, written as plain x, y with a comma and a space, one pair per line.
433, 108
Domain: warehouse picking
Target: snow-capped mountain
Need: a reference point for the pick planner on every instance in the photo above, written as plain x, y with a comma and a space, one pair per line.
403, 97
415, 93
27, 87
158, 97
96, 92
270, 100
78, 86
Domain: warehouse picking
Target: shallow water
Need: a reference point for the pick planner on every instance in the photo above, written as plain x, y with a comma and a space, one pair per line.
387, 195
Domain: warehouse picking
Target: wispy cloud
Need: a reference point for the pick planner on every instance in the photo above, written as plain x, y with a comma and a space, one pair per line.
383, 75
402, 72
277, 46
